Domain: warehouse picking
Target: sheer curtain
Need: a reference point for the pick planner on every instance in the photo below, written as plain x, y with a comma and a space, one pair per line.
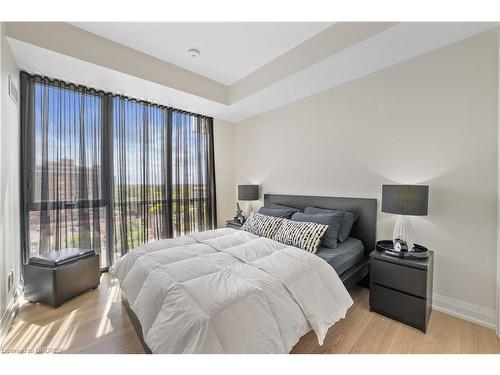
164, 176
108, 172
62, 157
193, 185
141, 170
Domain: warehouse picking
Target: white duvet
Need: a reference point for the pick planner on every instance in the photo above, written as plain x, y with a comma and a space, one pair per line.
229, 291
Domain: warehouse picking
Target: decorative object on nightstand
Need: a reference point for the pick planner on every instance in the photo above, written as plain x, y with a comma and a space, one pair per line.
233, 224
238, 218
402, 288
404, 200
387, 247
248, 193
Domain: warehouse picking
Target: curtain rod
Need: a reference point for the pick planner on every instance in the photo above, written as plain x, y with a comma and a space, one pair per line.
75, 86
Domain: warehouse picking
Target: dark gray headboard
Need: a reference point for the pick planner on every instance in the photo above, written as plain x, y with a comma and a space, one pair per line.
365, 227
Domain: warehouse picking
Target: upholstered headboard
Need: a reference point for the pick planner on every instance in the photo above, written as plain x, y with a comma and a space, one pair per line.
365, 227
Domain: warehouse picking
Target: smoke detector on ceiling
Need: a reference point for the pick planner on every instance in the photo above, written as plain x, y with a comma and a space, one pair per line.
193, 53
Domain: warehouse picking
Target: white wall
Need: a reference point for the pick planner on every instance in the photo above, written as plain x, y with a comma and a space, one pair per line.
225, 183
431, 120
10, 252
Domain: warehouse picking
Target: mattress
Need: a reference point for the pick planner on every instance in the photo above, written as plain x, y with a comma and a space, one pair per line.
346, 255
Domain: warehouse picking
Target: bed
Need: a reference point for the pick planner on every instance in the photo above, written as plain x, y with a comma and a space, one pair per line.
230, 291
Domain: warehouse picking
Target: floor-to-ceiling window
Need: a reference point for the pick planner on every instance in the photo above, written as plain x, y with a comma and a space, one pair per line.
108, 172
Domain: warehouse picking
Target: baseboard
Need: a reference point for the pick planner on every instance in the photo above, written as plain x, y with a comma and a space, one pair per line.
9, 314
464, 310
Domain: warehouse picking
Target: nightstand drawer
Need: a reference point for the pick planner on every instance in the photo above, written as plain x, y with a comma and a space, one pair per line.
407, 309
404, 279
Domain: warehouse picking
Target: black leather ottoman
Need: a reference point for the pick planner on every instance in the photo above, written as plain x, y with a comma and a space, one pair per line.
60, 275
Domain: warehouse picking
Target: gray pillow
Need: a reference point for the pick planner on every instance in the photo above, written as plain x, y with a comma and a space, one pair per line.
294, 209
276, 212
347, 222
332, 219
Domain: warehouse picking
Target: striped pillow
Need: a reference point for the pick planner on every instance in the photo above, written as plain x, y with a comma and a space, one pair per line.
302, 234
262, 225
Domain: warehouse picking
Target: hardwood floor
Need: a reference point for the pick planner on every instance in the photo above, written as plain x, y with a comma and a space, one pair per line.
96, 322
365, 332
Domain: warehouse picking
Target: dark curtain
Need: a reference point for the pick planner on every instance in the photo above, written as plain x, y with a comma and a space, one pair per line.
193, 185
108, 172
62, 131
142, 183
164, 173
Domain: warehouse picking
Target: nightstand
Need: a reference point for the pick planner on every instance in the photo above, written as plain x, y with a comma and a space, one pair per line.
402, 288
233, 224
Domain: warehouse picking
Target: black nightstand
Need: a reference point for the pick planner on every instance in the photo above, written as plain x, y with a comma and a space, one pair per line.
233, 224
401, 288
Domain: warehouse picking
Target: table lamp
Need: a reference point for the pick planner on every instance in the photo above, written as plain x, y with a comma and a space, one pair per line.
405, 200
248, 193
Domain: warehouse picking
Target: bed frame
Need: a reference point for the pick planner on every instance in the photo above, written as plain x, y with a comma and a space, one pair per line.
364, 229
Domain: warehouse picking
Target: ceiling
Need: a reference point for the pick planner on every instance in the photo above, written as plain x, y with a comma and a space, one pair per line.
229, 50
340, 53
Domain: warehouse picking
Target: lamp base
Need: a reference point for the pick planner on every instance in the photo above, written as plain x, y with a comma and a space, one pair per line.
403, 231
247, 209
